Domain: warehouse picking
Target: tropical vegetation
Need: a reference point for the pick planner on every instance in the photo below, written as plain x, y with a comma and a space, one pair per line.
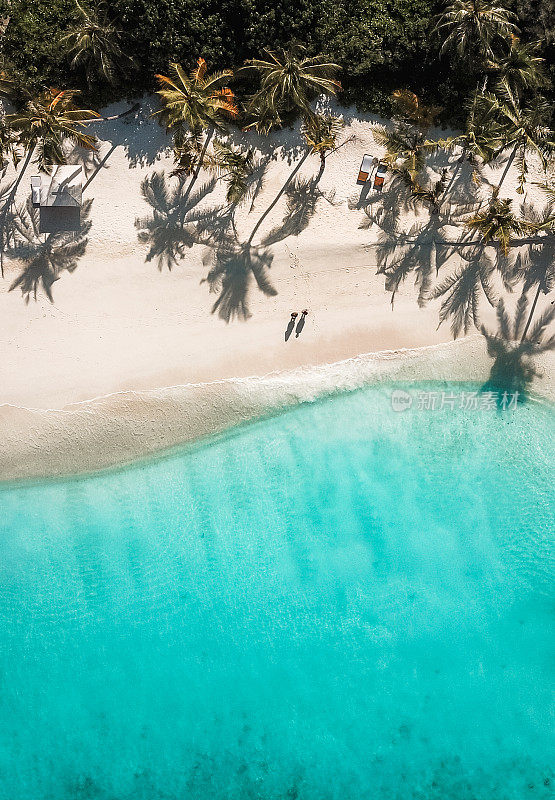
379, 47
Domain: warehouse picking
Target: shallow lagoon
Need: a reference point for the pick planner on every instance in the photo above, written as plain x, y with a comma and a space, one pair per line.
339, 602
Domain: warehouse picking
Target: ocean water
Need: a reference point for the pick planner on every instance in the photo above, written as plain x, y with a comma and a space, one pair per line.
342, 602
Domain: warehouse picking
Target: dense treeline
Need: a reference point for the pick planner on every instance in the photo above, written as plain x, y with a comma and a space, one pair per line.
380, 44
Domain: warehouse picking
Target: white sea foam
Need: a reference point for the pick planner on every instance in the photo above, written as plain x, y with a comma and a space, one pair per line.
120, 427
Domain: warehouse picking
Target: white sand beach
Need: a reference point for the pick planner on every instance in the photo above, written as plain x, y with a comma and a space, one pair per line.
122, 330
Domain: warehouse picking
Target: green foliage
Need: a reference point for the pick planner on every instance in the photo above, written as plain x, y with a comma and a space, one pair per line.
320, 132
93, 43
290, 80
379, 45
47, 122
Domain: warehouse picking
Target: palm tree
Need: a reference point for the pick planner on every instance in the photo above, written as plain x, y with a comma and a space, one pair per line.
520, 66
94, 44
536, 267
196, 103
262, 118
406, 146
479, 142
524, 129
289, 81
513, 367
320, 132
234, 168
46, 123
470, 28
409, 108
497, 223
319, 135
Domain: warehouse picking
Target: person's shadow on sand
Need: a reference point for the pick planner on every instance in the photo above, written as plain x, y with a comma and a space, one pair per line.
300, 324
290, 326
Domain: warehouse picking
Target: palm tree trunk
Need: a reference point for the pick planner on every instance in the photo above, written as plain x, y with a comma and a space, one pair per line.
8, 203
277, 197
454, 175
198, 167
531, 313
508, 165
123, 114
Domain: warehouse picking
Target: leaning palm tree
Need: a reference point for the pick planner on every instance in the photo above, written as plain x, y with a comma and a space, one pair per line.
46, 123
498, 224
261, 117
479, 141
470, 27
234, 169
195, 103
93, 43
513, 353
524, 129
319, 132
289, 81
408, 107
520, 66
406, 146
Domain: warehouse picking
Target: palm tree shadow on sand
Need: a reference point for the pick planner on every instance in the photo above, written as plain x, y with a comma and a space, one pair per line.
234, 265
513, 368
170, 228
422, 251
45, 256
302, 196
383, 209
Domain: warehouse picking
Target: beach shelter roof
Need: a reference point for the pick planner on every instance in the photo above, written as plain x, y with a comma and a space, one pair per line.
63, 187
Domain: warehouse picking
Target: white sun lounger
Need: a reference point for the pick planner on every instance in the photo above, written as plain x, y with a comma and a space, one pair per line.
379, 177
35, 190
365, 168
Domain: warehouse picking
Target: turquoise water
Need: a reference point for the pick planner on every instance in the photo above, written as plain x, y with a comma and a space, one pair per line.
339, 603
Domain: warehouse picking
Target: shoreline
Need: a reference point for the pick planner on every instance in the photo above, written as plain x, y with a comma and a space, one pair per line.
122, 428
82, 368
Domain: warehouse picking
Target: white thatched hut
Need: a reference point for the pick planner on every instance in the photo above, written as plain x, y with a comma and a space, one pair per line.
59, 197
